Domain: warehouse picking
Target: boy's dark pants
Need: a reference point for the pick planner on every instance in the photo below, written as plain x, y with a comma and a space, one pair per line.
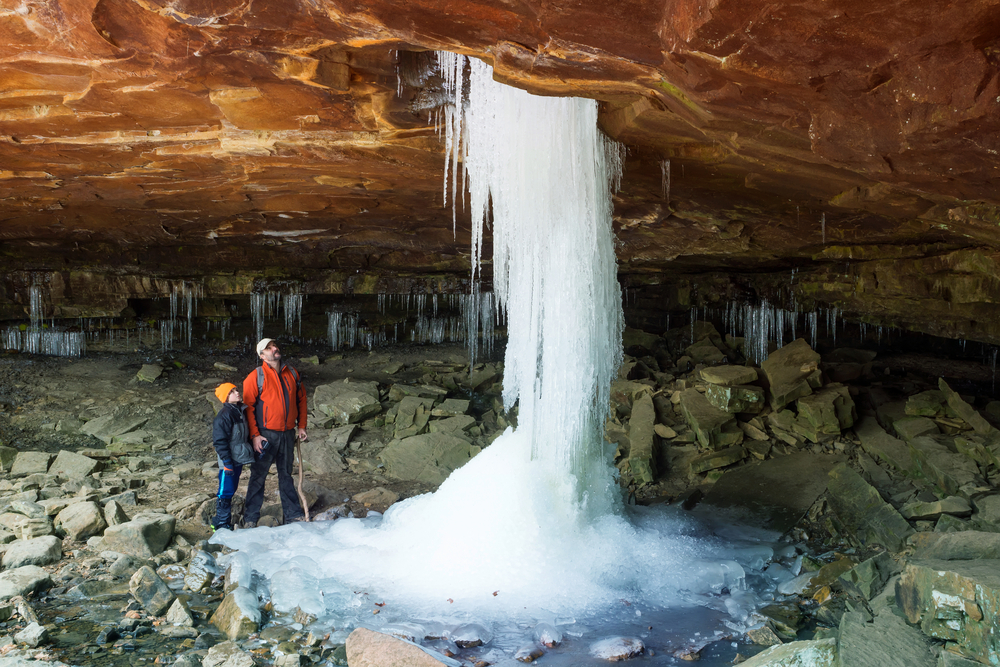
281, 452
228, 481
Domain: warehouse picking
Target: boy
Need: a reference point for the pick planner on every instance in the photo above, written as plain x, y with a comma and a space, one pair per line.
231, 438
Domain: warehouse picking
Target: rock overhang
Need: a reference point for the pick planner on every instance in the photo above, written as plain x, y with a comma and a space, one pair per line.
854, 143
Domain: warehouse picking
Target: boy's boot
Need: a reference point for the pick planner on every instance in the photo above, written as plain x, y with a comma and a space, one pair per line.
223, 514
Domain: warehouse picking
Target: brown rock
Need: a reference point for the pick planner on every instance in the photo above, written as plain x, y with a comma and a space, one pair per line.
367, 648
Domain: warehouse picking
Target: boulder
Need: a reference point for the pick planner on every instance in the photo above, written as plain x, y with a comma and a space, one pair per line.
29, 463
887, 641
7, 456
379, 497
238, 616
638, 338
145, 536
114, 514
868, 578
735, 398
955, 601
149, 372
641, 455
714, 428
791, 373
617, 649
227, 654
988, 511
23, 580
340, 437
72, 465
33, 635
80, 521
38, 551
862, 510
827, 411
412, 415
201, 570
818, 653
323, 456
348, 402
367, 648
924, 511
151, 591
179, 615
926, 404
705, 352
729, 376
427, 458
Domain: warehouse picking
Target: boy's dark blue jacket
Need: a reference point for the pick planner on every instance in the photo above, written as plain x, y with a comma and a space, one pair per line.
230, 426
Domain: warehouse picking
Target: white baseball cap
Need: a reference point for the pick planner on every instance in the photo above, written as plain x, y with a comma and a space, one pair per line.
263, 344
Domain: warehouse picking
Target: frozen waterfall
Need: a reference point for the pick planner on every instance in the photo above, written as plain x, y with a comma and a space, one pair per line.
532, 530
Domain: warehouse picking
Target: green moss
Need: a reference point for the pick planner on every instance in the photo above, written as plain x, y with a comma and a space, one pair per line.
676, 93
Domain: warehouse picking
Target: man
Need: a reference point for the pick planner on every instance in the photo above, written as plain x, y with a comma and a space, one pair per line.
276, 402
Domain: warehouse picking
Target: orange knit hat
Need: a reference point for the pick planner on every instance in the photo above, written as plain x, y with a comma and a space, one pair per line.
223, 390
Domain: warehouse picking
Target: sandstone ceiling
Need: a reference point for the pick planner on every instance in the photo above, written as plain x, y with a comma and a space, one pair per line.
856, 142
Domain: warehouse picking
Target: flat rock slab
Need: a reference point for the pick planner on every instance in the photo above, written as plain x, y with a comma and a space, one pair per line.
107, 427
72, 465
777, 492
909, 428
728, 376
954, 505
955, 601
885, 642
29, 463
367, 648
863, 512
882, 446
966, 545
821, 653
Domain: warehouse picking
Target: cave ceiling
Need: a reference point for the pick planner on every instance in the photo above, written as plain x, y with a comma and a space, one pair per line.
192, 138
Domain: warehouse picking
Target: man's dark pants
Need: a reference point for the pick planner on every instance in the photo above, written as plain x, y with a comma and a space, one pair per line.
281, 452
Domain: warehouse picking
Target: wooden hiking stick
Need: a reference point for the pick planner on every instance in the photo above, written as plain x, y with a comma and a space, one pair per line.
298, 486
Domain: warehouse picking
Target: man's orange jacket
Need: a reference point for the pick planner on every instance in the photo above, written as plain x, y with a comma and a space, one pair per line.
283, 399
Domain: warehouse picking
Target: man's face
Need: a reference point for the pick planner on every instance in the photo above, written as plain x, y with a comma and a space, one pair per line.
271, 353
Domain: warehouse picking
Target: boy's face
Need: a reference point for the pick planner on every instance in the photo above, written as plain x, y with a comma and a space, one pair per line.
234, 396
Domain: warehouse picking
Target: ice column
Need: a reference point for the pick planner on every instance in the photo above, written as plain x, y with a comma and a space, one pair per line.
547, 172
